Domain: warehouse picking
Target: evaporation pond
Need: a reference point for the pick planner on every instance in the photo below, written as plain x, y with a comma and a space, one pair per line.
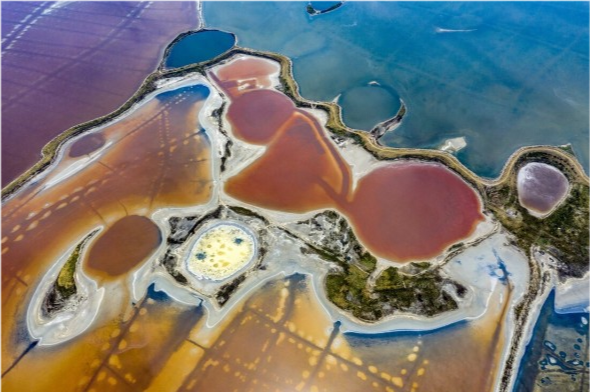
198, 47
221, 251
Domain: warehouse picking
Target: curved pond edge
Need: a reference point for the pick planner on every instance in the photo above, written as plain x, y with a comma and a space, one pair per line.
209, 227
558, 156
335, 125
162, 67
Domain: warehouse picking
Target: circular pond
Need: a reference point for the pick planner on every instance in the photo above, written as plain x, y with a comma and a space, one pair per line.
221, 251
366, 106
541, 187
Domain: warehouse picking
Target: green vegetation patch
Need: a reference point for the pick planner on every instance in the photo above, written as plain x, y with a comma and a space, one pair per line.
350, 287
65, 283
349, 291
422, 292
564, 233
392, 292
64, 286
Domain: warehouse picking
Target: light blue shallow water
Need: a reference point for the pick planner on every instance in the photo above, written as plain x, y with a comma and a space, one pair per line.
520, 77
371, 104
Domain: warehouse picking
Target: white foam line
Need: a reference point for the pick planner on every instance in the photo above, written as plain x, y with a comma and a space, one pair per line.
55, 6
23, 21
440, 30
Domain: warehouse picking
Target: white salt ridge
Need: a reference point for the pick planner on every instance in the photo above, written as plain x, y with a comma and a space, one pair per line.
440, 30
76, 317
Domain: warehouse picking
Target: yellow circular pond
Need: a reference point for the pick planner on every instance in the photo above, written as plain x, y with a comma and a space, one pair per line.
221, 251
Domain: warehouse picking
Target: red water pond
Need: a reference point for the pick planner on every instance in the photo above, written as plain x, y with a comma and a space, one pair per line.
402, 211
249, 69
407, 211
282, 178
299, 172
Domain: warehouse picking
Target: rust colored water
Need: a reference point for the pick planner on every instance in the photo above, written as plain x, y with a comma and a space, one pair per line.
401, 212
284, 178
123, 354
280, 339
301, 169
150, 164
124, 245
413, 210
283, 340
157, 157
258, 116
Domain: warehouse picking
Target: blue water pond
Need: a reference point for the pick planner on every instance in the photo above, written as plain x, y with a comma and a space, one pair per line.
199, 46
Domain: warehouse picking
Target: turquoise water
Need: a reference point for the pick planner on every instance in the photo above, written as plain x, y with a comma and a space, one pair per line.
200, 46
520, 77
372, 104
323, 5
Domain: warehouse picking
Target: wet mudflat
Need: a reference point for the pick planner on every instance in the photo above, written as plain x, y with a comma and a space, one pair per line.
156, 157
557, 354
124, 245
407, 211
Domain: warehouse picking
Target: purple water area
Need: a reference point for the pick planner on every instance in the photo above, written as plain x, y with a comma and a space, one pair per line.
87, 144
67, 63
541, 186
